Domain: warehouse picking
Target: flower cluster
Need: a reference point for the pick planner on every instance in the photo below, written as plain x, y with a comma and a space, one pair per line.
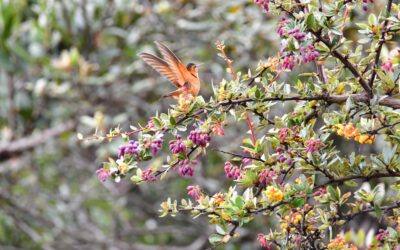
351, 132
382, 236
186, 168
297, 34
184, 102
308, 53
148, 175
291, 219
103, 174
178, 146
289, 62
387, 66
267, 176
232, 171
339, 243
261, 238
263, 4
154, 143
132, 148
273, 194
195, 192
314, 145
199, 138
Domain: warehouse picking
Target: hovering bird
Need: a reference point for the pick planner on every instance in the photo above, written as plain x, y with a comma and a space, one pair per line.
185, 78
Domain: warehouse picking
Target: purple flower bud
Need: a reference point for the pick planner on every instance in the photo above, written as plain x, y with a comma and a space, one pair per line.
282, 158
246, 161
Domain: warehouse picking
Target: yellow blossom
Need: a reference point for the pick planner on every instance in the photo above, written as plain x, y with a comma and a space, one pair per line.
297, 219
218, 198
337, 243
365, 139
273, 194
184, 101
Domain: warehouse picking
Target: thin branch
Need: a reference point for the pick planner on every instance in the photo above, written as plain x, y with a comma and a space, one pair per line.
376, 131
380, 44
10, 149
355, 177
351, 216
238, 155
259, 74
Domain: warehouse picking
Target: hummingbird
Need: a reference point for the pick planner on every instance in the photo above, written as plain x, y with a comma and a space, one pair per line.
185, 78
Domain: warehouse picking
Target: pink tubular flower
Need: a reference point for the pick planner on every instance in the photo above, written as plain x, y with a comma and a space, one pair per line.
263, 241
194, 191
314, 145
387, 66
103, 174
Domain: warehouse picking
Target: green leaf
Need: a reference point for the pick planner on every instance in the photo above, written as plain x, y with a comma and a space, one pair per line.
299, 202
215, 239
311, 22
172, 120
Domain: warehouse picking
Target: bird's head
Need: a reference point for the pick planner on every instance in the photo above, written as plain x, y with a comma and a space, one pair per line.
192, 68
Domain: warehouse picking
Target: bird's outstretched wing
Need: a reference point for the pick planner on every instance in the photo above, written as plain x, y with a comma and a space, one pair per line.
182, 74
161, 67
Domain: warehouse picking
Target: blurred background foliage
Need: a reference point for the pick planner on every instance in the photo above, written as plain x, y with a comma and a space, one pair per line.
69, 66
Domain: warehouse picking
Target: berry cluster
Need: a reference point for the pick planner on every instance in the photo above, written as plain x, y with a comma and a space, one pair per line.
232, 171
156, 145
308, 54
148, 176
185, 167
266, 176
297, 34
132, 148
178, 146
314, 145
289, 62
199, 138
